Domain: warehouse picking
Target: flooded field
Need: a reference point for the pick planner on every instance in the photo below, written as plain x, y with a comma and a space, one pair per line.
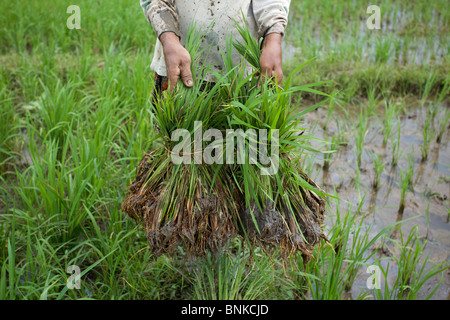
426, 204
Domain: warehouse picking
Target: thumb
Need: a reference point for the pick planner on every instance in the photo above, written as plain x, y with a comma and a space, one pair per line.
186, 75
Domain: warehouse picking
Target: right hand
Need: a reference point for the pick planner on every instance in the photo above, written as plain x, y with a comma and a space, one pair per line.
270, 60
178, 60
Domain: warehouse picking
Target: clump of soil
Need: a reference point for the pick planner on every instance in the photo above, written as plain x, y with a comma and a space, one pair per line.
203, 224
290, 230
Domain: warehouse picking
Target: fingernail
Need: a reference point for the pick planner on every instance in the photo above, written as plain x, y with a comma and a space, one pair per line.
190, 83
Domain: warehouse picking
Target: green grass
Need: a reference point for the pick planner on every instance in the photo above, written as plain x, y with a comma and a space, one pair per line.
427, 132
7, 129
360, 134
414, 272
409, 54
333, 146
443, 123
405, 182
395, 147
390, 113
75, 123
378, 170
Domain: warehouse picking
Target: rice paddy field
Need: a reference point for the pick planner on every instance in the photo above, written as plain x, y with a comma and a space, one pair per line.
75, 122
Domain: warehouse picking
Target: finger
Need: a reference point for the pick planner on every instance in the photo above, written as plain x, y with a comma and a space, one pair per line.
266, 73
186, 75
279, 74
173, 75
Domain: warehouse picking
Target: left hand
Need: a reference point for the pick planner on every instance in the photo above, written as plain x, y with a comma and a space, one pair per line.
271, 57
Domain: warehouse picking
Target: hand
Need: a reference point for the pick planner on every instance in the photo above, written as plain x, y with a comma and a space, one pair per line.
271, 57
178, 60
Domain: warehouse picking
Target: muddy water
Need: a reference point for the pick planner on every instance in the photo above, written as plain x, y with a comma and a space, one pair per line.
393, 43
392, 49
380, 207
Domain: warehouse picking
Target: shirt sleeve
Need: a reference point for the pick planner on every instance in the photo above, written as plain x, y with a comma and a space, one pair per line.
271, 16
162, 15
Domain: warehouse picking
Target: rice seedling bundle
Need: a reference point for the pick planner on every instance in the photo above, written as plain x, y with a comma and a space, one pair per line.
255, 186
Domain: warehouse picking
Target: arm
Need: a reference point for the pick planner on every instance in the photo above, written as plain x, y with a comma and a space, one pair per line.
163, 17
271, 19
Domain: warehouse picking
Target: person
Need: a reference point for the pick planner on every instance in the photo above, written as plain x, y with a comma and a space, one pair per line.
171, 20
206, 220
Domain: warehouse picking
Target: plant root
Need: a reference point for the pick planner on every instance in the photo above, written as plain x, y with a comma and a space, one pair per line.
297, 230
200, 225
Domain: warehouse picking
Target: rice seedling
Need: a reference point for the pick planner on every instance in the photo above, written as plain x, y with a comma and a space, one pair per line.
372, 103
357, 181
248, 191
412, 272
24, 279
405, 183
103, 257
383, 50
358, 254
333, 146
395, 146
335, 267
443, 94
360, 134
236, 276
427, 133
378, 170
443, 125
276, 192
328, 266
432, 78
427, 218
411, 164
188, 186
331, 107
390, 114
310, 166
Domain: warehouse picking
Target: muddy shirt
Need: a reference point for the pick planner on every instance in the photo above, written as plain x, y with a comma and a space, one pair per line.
262, 16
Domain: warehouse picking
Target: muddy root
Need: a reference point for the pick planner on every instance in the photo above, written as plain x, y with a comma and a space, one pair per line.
211, 219
200, 225
292, 232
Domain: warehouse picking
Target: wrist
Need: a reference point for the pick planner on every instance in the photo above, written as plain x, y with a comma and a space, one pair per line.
169, 38
272, 39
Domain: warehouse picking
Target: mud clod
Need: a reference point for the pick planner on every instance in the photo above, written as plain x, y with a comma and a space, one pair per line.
280, 227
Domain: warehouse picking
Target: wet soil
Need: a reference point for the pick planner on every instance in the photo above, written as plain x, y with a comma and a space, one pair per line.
431, 183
